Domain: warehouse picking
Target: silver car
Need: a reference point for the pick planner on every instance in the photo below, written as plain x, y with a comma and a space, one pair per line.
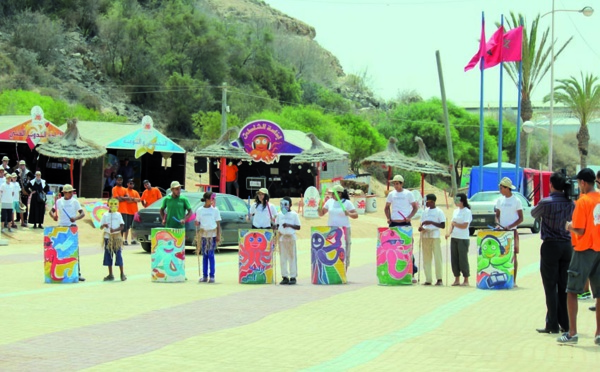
483, 208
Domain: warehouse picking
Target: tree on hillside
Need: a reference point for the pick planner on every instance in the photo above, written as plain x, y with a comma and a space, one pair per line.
425, 119
364, 140
583, 98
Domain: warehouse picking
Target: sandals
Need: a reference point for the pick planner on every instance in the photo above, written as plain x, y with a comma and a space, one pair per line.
123, 277
125, 242
455, 284
109, 278
439, 283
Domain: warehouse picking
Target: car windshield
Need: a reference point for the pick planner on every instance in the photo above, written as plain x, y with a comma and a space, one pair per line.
485, 197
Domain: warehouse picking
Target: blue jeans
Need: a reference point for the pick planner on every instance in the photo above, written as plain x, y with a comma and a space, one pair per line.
208, 256
108, 260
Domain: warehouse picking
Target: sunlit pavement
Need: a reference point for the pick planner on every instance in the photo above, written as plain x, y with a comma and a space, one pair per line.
138, 324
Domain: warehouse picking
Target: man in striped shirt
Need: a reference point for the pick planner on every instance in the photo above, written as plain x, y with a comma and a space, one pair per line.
556, 252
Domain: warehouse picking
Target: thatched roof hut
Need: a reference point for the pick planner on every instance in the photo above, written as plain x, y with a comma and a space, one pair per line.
317, 153
71, 145
224, 149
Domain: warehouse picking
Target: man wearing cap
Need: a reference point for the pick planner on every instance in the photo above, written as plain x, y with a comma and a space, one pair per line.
38, 189
400, 204
22, 173
509, 214
5, 166
150, 195
67, 210
400, 207
555, 252
432, 220
177, 206
585, 262
130, 202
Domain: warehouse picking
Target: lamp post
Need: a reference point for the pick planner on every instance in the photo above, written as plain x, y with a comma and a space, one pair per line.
586, 11
528, 127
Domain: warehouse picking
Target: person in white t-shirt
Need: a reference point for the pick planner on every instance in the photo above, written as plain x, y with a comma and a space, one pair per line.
459, 242
7, 198
400, 205
67, 211
262, 213
112, 222
17, 198
288, 222
432, 220
208, 219
340, 212
509, 214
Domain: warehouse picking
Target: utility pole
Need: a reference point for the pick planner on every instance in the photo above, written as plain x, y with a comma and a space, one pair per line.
447, 124
224, 109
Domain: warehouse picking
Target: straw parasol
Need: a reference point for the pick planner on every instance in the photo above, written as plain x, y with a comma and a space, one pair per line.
71, 146
317, 153
422, 163
223, 149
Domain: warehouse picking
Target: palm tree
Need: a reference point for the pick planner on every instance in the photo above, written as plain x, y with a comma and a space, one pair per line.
536, 63
536, 60
584, 101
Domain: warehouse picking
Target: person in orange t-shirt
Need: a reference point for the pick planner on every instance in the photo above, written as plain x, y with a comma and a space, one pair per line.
585, 262
231, 178
150, 195
128, 199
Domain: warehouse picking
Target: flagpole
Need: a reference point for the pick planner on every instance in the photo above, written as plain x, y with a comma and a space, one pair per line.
500, 108
481, 67
519, 96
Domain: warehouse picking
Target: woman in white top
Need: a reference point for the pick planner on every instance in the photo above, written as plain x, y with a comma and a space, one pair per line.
340, 217
263, 214
17, 198
459, 244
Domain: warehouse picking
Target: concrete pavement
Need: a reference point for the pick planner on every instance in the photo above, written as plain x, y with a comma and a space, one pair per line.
138, 325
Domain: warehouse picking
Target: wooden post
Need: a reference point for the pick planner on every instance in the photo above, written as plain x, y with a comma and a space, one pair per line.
222, 181
388, 177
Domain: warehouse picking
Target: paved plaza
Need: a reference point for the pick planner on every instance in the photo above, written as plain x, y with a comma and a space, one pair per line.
140, 325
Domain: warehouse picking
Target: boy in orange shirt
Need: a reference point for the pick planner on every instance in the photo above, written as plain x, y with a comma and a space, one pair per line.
150, 195
585, 262
128, 199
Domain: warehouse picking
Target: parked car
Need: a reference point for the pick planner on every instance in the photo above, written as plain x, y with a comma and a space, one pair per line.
483, 208
233, 214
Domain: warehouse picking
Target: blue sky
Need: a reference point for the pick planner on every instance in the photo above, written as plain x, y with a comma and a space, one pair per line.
396, 40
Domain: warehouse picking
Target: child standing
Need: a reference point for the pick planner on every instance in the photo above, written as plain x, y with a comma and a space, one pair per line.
432, 220
17, 198
112, 222
6, 198
208, 220
288, 222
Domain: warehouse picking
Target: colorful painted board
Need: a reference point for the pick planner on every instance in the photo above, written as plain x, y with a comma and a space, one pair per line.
256, 246
328, 254
61, 254
311, 203
168, 255
394, 255
96, 211
495, 261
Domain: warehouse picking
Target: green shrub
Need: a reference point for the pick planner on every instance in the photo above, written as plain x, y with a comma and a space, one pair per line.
39, 34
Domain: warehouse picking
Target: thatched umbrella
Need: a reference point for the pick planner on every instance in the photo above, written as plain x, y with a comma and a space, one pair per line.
223, 149
317, 153
71, 146
422, 163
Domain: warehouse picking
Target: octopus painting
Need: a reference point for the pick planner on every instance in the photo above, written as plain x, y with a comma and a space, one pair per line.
255, 256
328, 254
394, 256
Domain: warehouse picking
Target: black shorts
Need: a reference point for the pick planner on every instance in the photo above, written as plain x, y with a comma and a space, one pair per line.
584, 265
128, 221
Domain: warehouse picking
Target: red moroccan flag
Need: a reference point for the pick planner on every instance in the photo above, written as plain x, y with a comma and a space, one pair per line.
512, 50
493, 49
475, 60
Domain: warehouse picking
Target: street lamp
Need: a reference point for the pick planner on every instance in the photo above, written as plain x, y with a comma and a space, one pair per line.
528, 128
586, 11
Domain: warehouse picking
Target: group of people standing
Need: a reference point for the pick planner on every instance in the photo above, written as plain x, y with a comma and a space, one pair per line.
570, 252
23, 196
